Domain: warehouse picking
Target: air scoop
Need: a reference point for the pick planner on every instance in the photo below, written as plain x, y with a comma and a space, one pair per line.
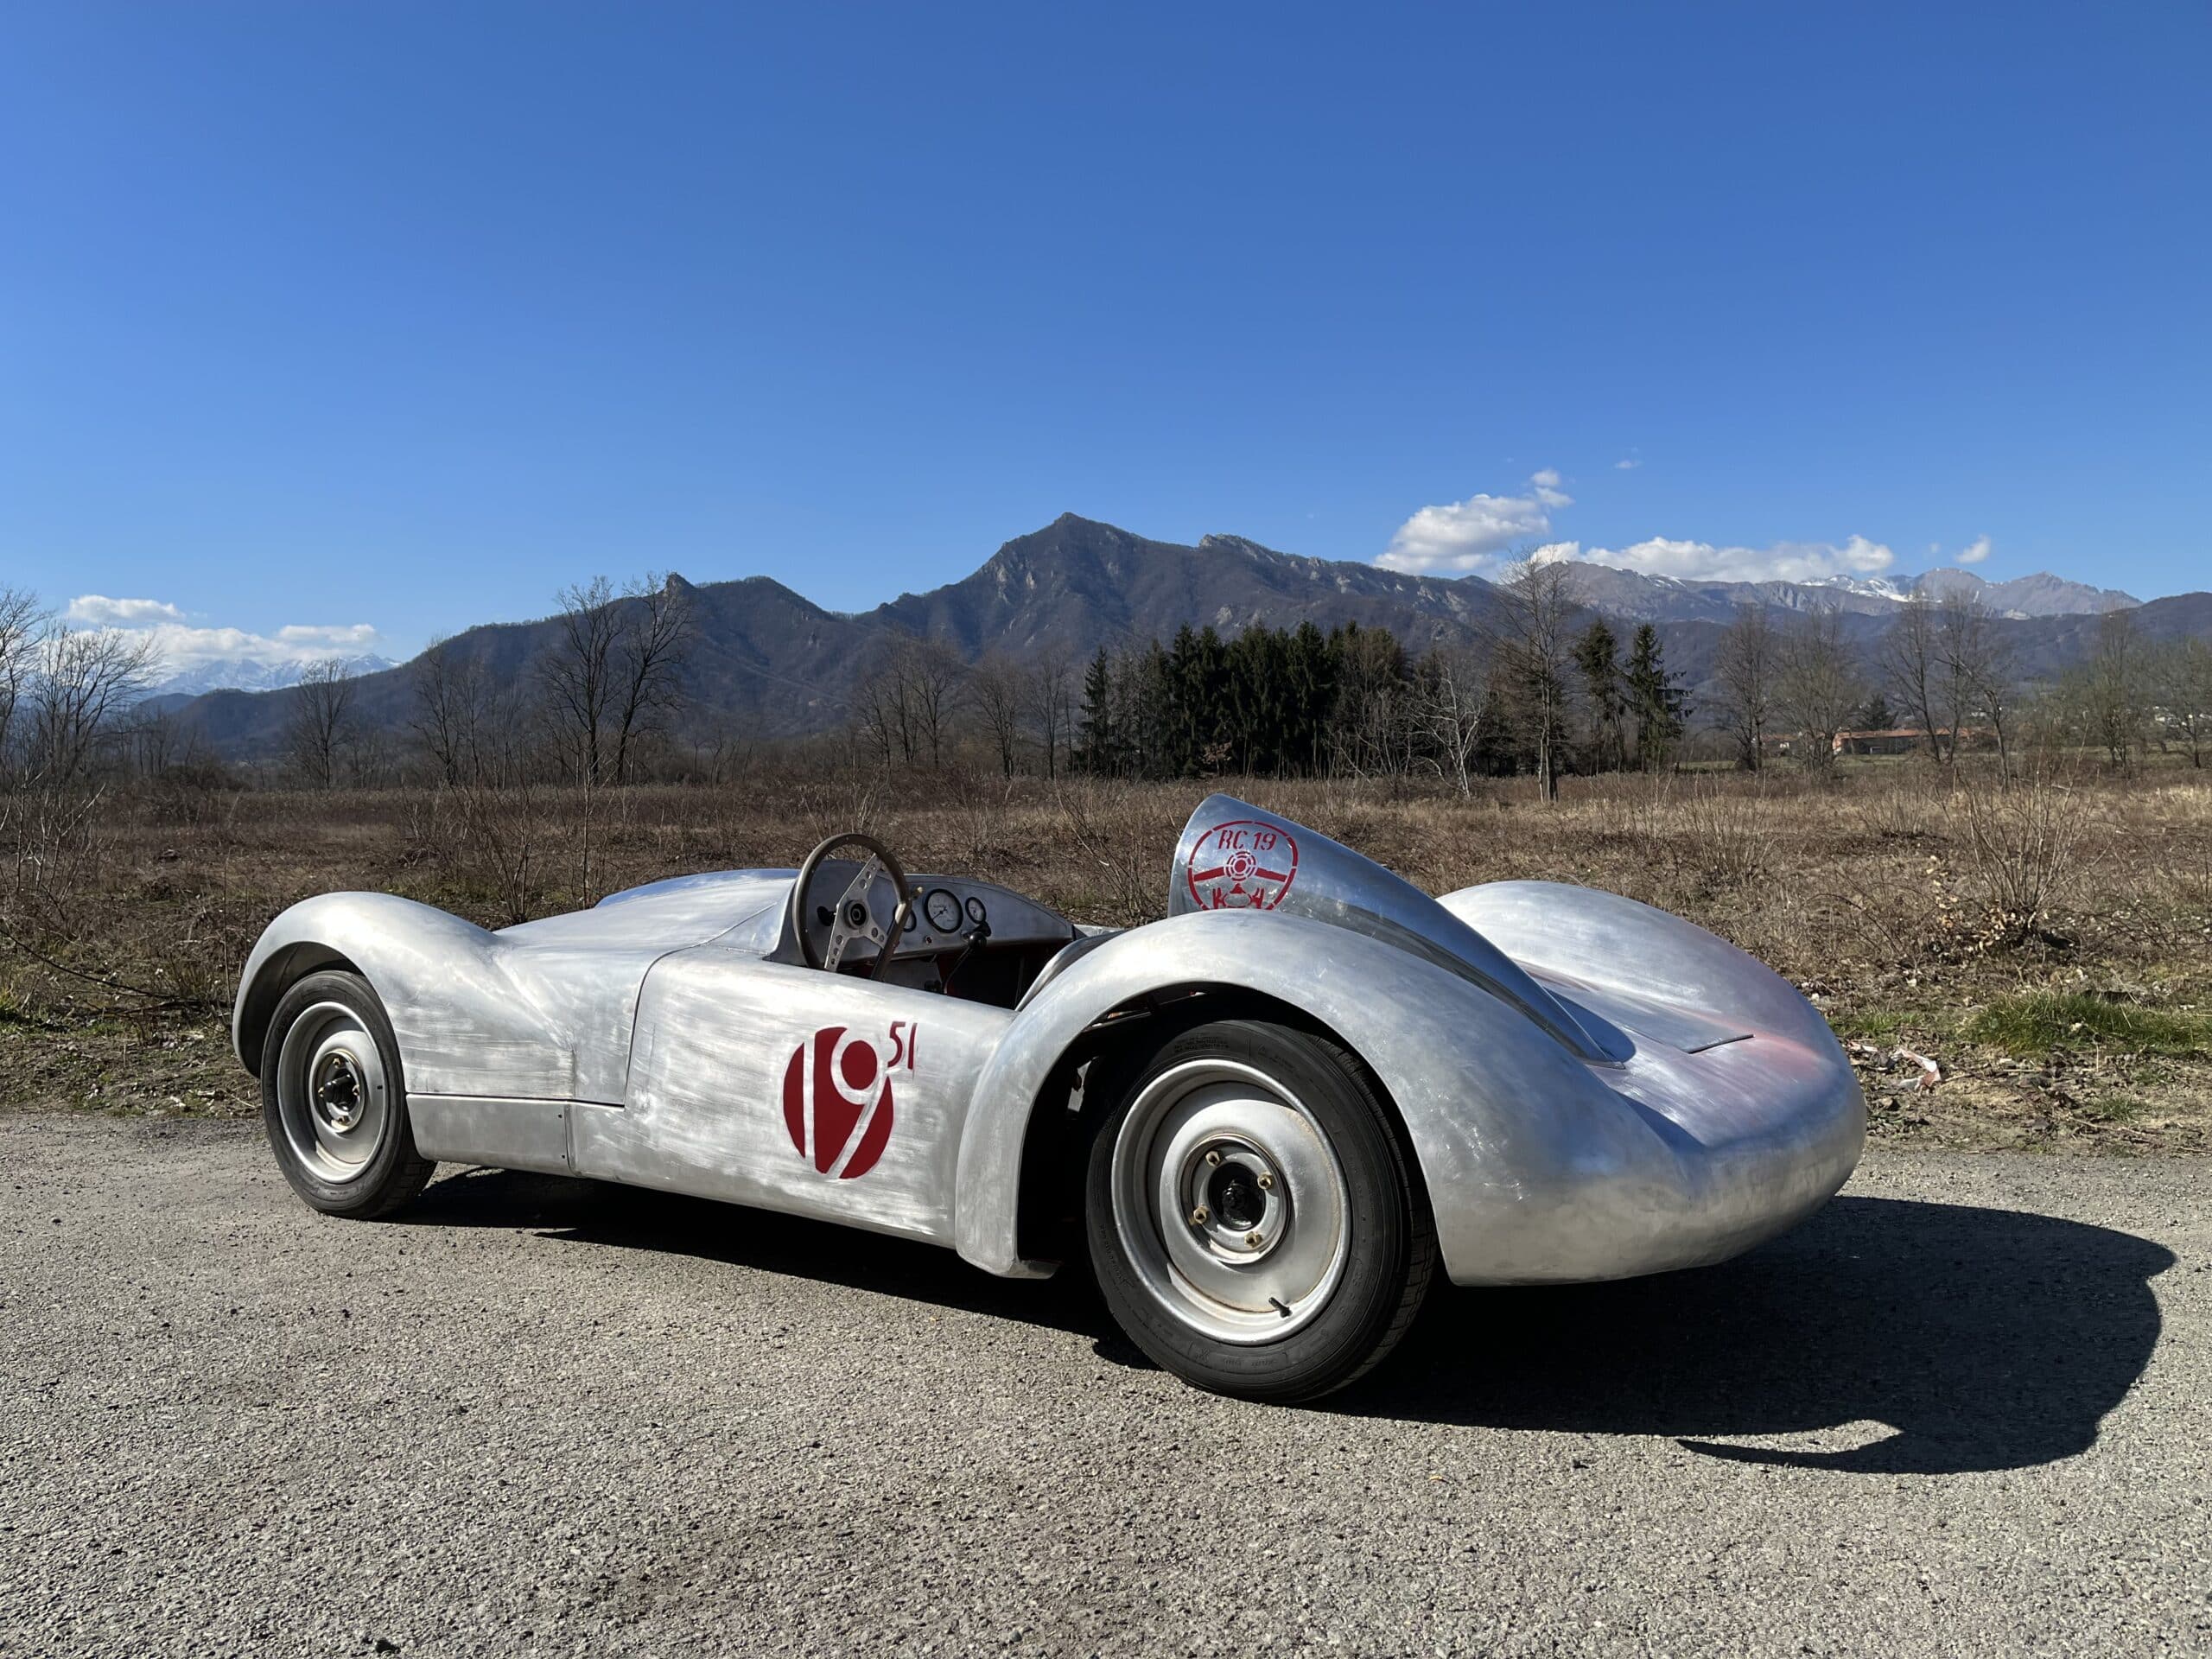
1233, 855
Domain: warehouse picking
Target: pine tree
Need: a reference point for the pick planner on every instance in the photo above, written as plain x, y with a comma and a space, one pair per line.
1099, 738
1596, 654
1309, 692
1655, 700
1154, 696
1257, 701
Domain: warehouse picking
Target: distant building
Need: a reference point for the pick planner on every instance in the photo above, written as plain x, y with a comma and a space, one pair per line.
1898, 740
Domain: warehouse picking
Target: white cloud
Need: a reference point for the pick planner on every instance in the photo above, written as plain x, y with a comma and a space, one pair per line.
1627, 465
344, 636
1475, 534
99, 611
1687, 561
1461, 536
184, 646
1975, 551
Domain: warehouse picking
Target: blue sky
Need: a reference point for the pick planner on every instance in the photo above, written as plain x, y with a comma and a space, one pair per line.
398, 317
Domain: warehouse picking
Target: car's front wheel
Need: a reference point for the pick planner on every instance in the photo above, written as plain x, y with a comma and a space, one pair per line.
1253, 1221
334, 1100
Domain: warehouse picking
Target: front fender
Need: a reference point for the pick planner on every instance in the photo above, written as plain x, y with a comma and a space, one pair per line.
461, 1026
1511, 1131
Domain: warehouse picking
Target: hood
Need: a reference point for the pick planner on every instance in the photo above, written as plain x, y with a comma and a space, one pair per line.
1234, 856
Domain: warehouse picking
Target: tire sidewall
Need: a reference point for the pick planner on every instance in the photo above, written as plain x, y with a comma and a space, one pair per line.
1338, 1343
396, 1161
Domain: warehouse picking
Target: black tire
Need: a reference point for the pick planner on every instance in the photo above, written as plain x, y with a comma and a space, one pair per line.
347, 1034
1377, 1210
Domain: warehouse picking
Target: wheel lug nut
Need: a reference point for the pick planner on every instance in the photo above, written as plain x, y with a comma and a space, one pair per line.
1198, 1216
1252, 1239
1214, 1160
1267, 1183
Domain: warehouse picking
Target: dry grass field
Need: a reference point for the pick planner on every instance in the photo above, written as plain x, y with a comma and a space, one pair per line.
2049, 946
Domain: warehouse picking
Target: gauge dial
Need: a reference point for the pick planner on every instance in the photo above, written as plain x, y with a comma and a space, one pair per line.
942, 910
976, 912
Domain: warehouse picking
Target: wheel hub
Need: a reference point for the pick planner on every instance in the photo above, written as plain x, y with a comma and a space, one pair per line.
1237, 1203
338, 1092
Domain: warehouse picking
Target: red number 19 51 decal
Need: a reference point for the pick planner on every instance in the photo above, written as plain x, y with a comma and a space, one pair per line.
837, 1096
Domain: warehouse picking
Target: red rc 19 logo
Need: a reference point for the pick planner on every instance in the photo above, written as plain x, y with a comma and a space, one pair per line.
1243, 865
837, 1099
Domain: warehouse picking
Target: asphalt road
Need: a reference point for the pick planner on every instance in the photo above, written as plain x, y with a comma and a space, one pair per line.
1966, 1409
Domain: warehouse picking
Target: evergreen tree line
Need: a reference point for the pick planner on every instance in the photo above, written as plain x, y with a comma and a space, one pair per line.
1355, 702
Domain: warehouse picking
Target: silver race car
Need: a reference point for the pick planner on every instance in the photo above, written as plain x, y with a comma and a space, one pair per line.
1270, 1117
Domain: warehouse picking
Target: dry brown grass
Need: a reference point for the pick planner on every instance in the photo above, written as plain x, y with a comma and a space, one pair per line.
1916, 911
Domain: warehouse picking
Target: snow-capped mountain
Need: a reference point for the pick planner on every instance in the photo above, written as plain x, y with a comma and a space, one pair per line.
1891, 588
1633, 595
244, 674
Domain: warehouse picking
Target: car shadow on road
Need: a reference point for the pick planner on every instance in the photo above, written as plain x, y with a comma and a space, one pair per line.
1982, 1338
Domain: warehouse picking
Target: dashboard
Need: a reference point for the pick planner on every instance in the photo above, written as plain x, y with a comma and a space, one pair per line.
950, 909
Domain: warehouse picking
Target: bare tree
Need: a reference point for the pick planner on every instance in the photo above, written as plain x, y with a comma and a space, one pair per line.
998, 691
1452, 706
880, 709
906, 697
23, 625
1745, 665
85, 682
936, 679
320, 725
1370, 731
1978, 672
452, 695
1538, 657
1051, 705
652, 644
1816, 683
2110, 695
2182, 674
577, 673
1910, 663
616, 665
161, 744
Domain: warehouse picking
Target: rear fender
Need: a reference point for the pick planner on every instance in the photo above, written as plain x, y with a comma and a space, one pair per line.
1604, 939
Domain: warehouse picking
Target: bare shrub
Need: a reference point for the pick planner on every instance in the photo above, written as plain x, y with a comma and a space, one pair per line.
2024, 840
58, 913
1117, 869
1726, 837
502, 841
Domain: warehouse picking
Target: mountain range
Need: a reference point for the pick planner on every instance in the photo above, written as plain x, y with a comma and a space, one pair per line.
1636, 596
246, 674
769, 660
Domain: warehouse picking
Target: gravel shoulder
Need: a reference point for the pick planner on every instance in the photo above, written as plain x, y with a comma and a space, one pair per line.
1968, 1409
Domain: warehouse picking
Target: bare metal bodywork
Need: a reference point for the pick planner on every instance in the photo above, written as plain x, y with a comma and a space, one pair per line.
1592, 1089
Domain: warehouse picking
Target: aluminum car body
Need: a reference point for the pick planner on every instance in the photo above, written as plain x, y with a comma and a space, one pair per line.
1590, 1088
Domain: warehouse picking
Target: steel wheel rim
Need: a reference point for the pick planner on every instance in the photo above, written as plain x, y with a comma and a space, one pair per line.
332, 1094
1234, 1256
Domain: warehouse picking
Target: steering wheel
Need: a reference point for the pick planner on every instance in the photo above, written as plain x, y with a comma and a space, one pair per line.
850, 916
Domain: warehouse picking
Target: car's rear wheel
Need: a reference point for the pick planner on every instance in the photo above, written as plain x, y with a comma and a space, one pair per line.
334, 1100
1253, 1221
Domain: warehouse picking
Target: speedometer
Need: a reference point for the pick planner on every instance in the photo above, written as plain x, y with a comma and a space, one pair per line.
942, 910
